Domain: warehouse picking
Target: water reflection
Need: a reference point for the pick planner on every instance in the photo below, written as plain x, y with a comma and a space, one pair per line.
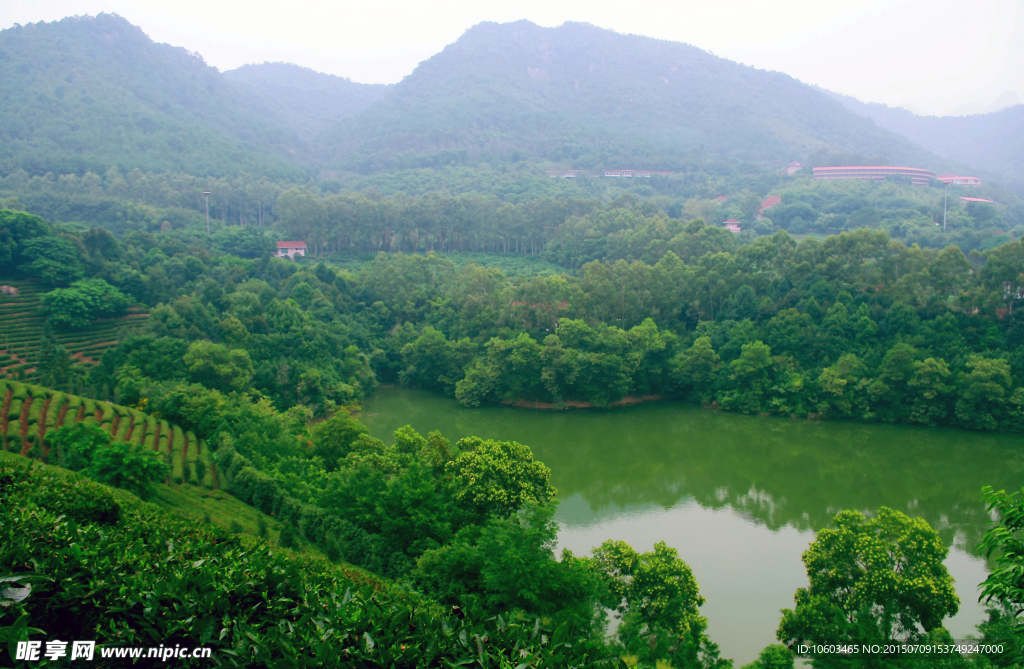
740, 497
776, 472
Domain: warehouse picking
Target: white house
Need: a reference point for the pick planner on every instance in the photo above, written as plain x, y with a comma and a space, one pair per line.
291, 249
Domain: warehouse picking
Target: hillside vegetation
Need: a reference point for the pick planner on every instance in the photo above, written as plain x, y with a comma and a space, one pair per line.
156, 579
88, 93
29, 412
857, 325
992, 145
303, 100
586, 97
576, 95
24, 334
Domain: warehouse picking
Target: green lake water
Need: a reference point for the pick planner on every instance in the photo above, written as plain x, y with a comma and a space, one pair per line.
740, 497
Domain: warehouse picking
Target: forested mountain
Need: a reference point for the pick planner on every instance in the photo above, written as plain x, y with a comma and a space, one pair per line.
87, 93
588, 97
990, 144
304, 101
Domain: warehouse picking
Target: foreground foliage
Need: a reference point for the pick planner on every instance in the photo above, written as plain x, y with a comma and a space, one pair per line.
872, 580
1004, 542
127, 574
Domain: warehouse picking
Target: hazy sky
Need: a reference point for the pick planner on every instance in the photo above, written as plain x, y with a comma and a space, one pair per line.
934, 56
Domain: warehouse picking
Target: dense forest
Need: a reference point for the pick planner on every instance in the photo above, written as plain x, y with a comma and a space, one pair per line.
576, 95
518, 210
857, 325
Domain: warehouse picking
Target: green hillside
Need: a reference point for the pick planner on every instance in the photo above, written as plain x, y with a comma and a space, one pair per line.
137, 575
29, 412
22, 326
587, 97
303, 100
87, 93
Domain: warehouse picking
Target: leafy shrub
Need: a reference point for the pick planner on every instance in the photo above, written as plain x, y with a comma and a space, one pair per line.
84, 301
76, 444
127, 466
88, 502
86, 447
287, 538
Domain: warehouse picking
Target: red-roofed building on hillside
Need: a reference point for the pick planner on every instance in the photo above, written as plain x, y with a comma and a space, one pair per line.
793, 168
629, 174
769, 202
976, 199
957, 180
732, 225
721, 198
291, 249
917, 175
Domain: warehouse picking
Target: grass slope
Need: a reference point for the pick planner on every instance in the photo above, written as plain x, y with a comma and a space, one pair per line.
21, 329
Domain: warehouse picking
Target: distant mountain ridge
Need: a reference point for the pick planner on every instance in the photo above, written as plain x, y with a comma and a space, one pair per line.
304, 100
990, 144
584, 96
1007, 99
86, 93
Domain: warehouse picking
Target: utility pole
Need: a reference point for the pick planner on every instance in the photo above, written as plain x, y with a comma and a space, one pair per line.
206, 194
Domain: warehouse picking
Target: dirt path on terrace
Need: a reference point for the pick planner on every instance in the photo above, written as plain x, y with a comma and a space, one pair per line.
8, 398
60, 415
23, 431
43, 415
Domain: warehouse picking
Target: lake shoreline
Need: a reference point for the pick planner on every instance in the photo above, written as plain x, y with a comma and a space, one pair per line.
578, 404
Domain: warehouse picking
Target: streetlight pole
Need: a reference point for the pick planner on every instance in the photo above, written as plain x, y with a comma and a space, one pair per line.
206, 194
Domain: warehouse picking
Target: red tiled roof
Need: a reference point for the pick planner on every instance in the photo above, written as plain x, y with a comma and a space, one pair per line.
720, 198
730, 220
868, 167
770, 202
291, 245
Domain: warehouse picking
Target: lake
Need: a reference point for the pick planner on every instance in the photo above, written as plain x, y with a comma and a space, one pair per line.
740, 497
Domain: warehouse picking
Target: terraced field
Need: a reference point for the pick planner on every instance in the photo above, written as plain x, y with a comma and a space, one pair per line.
21, 329
28, 412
